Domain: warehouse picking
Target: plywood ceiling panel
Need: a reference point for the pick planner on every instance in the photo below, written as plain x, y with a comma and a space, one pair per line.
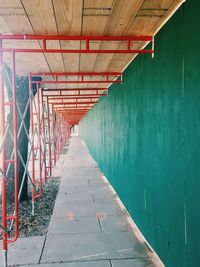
13, 19
78, 17
68, 16
95, 17
41, 17
122, 16
151, 14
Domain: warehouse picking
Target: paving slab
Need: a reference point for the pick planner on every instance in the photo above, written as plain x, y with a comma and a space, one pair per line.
65, 199
103, 197
100, 189
74, 181
86, 200
86, 162
113, 223
133, 263
75, 190
92, 247
75, 173
72, 225
80, 209
94, 175
25, 251
73, 264
87, 228
96, 182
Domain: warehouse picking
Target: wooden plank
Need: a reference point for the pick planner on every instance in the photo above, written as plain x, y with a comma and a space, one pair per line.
4, 29
106, 17
69, 21
41, 16
148, 16
13, 19
157, 4
14, 16
95, 17
122, 16
145, 23
171, 9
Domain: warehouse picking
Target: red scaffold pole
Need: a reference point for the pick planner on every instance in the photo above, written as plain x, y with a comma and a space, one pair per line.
44, 135
53, 131
49, 137
3, 163
4, 160
15, 141
87, 39
40, 145
32, 147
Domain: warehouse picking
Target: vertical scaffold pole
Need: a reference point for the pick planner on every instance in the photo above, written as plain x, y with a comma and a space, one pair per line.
39, 142
44, 135
49, 137
32, 148
3, 162
59, 135
54, 133
15, 139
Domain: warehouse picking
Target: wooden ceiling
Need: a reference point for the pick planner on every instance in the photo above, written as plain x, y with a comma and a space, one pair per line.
80, 18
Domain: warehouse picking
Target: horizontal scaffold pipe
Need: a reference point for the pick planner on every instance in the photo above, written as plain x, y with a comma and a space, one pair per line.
114, 73
86, 39
74, 38
74, 103
73, 95
74, 89
78, 82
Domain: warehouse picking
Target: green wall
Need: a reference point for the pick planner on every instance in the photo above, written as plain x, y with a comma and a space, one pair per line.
146, 138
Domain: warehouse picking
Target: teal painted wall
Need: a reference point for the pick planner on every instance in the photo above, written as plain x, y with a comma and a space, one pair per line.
146, 138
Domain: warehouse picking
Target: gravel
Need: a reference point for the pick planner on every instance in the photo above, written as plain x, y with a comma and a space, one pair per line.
37, 225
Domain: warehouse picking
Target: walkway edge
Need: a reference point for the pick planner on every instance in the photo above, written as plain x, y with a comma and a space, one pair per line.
156, 259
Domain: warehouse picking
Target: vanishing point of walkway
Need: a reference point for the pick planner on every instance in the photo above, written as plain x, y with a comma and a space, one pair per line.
87, 228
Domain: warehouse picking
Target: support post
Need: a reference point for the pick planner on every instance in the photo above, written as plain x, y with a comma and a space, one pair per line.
49, 136
15, 139
39, 142
3, 162
53, 135
32, 148
44, 134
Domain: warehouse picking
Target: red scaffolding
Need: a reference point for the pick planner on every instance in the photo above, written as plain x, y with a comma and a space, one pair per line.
52, 112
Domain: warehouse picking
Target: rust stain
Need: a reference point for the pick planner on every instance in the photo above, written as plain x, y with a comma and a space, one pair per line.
101, 215
70, 216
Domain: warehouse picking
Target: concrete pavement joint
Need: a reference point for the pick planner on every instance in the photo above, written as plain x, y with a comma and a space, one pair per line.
99, 223
42, 249
83, 261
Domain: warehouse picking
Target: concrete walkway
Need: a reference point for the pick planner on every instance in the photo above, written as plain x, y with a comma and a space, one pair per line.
87, 228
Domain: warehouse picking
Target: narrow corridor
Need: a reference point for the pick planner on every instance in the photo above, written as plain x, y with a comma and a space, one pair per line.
87, 228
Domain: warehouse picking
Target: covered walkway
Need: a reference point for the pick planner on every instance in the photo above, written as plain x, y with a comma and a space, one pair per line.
126, 73
88, 227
